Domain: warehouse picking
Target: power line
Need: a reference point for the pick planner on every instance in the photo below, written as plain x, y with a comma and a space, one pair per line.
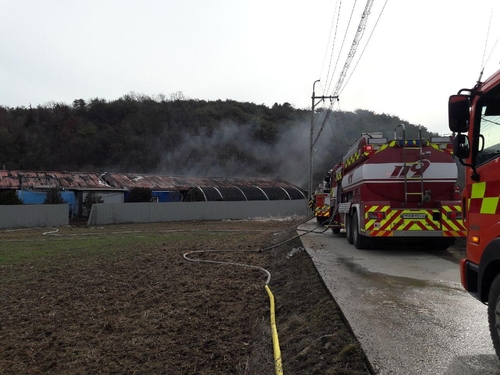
342, 45
340, 82
317, 152
338, 137
328, 78
311, 143
328, 43
352, 52
364, 48
354, 45
350, 56
342, 126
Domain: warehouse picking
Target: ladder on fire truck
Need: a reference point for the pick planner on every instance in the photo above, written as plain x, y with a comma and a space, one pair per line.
412, 145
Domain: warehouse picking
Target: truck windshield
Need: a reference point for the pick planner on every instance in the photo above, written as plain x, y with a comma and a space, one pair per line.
490, 127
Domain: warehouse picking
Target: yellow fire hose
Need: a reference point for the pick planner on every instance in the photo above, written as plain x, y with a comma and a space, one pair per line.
274, 332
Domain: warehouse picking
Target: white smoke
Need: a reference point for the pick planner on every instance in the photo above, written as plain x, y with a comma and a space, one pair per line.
232, 151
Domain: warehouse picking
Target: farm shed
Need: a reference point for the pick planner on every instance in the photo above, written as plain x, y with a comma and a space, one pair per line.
207, 188
32, 186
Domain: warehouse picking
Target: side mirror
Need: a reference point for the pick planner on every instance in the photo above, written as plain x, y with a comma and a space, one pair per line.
461, 147
458, 113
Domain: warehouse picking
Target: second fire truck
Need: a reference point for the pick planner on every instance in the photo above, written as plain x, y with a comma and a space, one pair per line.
404, 188
475, 115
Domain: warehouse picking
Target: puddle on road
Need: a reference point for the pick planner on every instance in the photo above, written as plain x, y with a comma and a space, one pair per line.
410, 299
390, 280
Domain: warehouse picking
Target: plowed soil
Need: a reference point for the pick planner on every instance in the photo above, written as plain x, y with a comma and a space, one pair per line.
122, 299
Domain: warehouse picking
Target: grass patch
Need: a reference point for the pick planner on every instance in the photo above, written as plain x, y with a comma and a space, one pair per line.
88, 247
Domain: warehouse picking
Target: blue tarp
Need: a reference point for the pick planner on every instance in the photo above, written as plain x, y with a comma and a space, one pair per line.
167, 196
38, 197
162, 196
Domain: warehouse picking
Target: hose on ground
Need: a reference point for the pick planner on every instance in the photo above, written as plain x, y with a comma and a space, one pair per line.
274, 330
186, 256
306, 231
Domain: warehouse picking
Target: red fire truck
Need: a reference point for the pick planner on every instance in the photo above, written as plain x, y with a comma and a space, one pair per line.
321, 200
397, 188
476, 113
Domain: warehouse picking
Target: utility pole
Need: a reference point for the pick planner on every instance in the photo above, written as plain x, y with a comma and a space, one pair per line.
311, 144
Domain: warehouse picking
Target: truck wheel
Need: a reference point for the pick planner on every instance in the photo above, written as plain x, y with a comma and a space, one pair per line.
321, 220
494, 313
361, 242
336, 230
348, 228
443, 243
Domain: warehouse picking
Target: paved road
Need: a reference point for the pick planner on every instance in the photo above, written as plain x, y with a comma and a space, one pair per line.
406, 307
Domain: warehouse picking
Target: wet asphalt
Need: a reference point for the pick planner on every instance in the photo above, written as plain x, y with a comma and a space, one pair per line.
406, 307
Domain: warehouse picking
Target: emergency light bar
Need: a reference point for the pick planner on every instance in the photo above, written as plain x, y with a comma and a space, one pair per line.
409, 143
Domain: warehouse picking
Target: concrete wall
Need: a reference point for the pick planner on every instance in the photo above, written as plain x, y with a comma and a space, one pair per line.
114, 213
27, 216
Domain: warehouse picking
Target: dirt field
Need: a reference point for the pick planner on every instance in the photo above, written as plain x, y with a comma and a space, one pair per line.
122, 300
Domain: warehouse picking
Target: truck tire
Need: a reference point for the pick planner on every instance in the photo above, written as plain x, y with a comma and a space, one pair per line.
321, 220
348, 228
442, 243
360, 242
494, 313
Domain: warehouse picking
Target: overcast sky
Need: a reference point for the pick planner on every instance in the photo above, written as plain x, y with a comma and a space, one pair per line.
257, 51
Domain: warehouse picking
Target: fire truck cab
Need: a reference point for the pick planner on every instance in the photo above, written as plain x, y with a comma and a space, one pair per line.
475, 115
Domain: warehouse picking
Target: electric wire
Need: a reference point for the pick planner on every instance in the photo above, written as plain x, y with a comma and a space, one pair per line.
321, 155
354, 45
350, 55
337, 13
329, 79
342, 45
342, 138
339, 115
325, 119
491, 52
338, 138
364, 48
336, 24
340, 85
343, 134
486, 41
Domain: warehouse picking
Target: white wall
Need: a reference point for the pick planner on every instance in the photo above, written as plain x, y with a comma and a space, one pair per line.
112, 213
36, 215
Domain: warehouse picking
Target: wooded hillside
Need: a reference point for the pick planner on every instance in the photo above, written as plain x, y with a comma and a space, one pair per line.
183, 137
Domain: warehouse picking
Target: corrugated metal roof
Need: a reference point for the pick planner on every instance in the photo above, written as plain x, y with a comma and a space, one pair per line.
31, 180
45, 180
8, 181
156, 182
